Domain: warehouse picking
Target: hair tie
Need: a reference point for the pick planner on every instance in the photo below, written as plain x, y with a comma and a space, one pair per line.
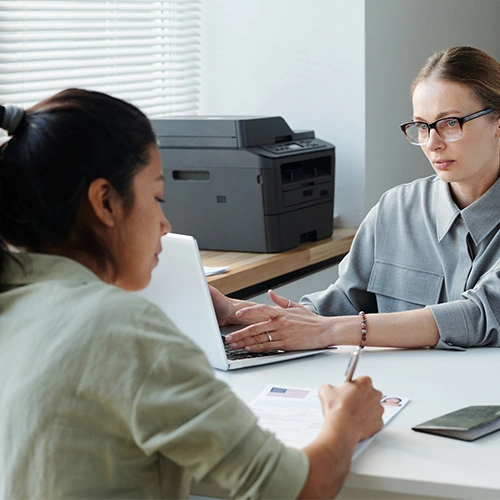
10, 117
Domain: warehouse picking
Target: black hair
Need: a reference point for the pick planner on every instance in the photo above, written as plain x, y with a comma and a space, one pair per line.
59, 147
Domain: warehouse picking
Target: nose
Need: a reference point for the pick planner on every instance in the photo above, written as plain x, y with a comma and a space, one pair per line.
434, 141
164, 225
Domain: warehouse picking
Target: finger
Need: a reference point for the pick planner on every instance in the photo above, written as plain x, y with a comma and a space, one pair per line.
260, 342
257, 311
365, 384
326, 394
280, 301
248, 336
263, 339
264, 346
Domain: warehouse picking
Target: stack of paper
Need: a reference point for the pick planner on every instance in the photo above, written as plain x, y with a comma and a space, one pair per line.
210, 271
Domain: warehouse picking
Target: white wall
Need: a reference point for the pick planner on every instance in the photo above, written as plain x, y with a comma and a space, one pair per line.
342, 68
303, 60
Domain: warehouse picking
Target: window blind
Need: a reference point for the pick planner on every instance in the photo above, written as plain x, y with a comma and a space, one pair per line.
146, 52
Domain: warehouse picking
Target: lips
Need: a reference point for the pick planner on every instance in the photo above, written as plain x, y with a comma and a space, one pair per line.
442, 164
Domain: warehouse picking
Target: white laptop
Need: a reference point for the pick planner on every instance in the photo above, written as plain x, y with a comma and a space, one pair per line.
179, 287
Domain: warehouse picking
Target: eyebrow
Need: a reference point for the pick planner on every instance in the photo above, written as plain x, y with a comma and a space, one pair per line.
451, 113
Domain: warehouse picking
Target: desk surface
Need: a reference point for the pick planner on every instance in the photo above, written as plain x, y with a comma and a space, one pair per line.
248, 269
398, 459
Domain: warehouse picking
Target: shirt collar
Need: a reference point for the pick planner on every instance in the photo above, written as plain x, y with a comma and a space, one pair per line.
480, 218
38, 267
446, 210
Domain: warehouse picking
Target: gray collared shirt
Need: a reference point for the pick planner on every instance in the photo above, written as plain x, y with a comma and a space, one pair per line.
416, 249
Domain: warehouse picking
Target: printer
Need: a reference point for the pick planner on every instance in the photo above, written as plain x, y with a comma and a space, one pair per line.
249, 184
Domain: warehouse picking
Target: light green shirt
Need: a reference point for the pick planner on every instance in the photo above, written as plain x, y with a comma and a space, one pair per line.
102, 397
416, 249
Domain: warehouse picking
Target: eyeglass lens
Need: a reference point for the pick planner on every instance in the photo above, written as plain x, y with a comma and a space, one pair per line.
449, 129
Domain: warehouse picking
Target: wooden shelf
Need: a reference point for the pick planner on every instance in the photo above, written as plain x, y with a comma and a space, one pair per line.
249, 269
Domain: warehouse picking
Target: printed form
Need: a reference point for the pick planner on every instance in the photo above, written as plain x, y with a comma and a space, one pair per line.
294, 414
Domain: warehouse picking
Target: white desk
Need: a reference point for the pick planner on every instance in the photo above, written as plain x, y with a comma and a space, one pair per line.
400, 460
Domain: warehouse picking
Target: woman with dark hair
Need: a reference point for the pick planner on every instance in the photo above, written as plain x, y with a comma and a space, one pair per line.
101, 396
424, 267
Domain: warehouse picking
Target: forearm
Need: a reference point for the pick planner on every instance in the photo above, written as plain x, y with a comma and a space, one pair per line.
297, 328
329, 462
407, 329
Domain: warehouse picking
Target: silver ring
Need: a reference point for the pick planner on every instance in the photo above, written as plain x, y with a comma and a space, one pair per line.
289, 303
269, 336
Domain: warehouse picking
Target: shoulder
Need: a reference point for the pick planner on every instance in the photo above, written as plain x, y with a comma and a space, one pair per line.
404, 206
420, 189
128, 335
95, 313
115, 316
405, 197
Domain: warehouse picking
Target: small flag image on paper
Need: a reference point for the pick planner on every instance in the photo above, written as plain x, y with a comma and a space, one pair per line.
288, 393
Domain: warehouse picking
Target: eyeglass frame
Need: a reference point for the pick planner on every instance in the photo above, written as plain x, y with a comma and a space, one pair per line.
461, 120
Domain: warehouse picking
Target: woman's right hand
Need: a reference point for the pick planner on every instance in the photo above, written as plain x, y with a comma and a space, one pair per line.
225, 308
358, 401
352, 413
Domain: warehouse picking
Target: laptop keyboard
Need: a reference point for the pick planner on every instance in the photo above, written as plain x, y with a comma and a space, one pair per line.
235, 354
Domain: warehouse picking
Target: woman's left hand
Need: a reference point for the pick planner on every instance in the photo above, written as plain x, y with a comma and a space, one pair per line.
288, 326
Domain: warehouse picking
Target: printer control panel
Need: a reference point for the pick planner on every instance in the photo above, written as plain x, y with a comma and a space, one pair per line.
294, 146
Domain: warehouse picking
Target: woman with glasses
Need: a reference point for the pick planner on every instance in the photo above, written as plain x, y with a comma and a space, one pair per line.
424, 267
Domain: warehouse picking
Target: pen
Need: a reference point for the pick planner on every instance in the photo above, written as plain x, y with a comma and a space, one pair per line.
353, 361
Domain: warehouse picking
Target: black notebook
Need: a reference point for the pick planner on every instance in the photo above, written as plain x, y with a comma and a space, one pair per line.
468, 423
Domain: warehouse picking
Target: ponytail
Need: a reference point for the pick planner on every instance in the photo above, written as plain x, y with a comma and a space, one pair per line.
10, 119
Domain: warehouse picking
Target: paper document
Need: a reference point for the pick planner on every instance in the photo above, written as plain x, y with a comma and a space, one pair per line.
294, 414
210, 271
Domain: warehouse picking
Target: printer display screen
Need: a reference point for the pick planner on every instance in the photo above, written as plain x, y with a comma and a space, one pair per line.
294, 145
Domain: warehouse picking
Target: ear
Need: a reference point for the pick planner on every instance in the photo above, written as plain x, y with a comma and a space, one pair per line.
497, 124
104, 201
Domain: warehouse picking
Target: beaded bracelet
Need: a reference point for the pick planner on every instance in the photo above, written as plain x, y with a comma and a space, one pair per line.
363, 329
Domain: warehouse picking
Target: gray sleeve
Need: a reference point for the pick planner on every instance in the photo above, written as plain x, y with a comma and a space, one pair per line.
474, 320
349, 295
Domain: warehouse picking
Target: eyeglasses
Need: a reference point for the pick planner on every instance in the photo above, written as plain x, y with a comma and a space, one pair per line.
449, 129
